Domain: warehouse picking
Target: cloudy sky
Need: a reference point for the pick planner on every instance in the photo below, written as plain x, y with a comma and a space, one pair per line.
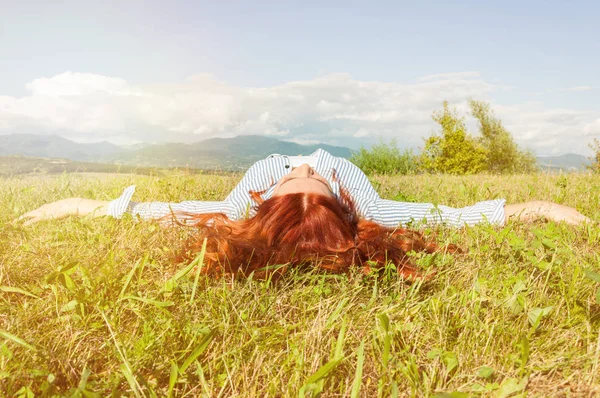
347, 73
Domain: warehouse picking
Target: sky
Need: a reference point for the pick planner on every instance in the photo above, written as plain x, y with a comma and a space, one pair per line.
345, 73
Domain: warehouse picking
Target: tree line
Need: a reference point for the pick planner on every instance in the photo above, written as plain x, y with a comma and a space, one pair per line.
453, 150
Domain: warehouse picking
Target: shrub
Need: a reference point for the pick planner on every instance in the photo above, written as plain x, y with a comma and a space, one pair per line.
503, 154
454, 151
385, 158
595, 146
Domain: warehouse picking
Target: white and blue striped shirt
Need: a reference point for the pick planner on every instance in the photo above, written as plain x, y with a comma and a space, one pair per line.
265, 173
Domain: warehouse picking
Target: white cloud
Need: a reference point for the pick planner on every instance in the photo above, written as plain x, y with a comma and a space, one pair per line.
77, 84
592, 128
555, 131
332, 108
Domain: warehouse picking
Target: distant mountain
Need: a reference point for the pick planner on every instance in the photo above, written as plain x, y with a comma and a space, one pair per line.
237, 152
568, 162
56, 147
216, 153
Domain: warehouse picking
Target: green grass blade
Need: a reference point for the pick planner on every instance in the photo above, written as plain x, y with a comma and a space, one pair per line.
197, 351
359, 369
336, 313
11, 289
147, 390
130, 275
592, 275
339, 345
384, 329
125, 366
395, 389
183, 272
524, 353
155, 303
130, 380
198, 270
322, 372
17, 340
173, 378
203, 382
83, 379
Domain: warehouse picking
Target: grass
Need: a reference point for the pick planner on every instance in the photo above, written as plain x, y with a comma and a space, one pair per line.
96, 307
17, 165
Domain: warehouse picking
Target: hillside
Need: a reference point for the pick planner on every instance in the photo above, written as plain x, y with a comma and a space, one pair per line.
216, 153
56, 147
16, 165
568, 162
226, 153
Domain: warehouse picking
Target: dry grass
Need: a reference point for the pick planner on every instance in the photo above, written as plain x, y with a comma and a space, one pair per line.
91, 306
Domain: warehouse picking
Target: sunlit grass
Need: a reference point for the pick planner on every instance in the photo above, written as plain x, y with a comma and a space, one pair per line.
97, 306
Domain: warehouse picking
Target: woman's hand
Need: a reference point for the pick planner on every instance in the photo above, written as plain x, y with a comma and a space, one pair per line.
64, 208
532, 211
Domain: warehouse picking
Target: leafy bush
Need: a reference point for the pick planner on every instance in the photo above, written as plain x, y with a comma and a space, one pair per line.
385, 158
503, 154
595, 146
454, 151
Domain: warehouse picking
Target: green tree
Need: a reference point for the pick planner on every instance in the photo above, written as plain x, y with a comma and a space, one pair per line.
454, 151
595, 146
384, 158
503, 154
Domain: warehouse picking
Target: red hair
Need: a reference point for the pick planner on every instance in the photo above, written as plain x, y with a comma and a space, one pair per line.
303, 229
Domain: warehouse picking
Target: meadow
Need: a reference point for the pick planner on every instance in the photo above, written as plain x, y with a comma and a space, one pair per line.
98, 307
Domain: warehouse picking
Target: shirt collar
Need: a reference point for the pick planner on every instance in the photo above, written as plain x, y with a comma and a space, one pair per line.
322, 158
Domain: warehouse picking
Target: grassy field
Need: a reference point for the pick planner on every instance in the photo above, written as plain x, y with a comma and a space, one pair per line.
97, 307
16, 165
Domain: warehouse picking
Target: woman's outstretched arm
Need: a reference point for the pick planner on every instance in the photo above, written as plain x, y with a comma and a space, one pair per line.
116, 208
392, 213
64, 208
531, 211
158, 210
235, 206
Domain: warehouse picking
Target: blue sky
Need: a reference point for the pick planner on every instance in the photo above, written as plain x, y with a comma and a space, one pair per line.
536, 62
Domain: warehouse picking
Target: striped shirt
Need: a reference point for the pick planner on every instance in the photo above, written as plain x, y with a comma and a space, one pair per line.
265, 173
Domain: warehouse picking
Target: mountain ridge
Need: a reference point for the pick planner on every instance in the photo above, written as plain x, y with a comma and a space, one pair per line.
54, 146
217, 153
566, 162
233, 153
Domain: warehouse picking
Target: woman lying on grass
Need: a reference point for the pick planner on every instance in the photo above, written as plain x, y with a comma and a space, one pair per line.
328, 215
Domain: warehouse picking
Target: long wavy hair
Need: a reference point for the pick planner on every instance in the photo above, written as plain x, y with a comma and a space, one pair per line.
303, 229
